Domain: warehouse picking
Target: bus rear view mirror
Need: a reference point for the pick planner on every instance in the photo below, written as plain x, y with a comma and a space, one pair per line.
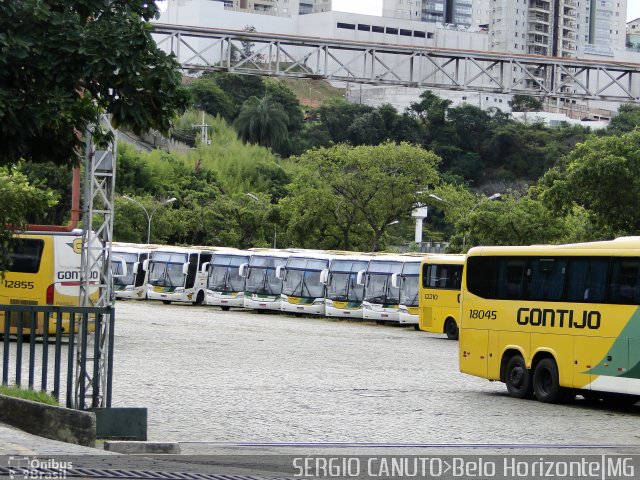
324, 276
360, 279
242, 269
145, 265
185, 268
205, 266
395, 280
279, 271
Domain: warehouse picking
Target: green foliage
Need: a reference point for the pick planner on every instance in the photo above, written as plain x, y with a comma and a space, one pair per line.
525, 103
63, 62
602, 175
208, 96
358, 189
19, 199
28, 394
262, 121
627, 120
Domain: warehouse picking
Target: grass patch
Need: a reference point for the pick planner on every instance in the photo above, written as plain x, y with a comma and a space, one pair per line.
28, 394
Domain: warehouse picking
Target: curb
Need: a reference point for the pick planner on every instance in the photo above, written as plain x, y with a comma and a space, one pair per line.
137, 448
48, 421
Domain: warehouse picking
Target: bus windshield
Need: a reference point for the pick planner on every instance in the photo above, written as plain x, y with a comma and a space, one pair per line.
224, 275
116, 267
410, 284
166, 269
261, 278
379, 288
343, 287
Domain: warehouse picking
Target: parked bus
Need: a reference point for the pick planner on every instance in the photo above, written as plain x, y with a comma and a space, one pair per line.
381, 298
263, 287
43, 269
343, 293
440, 282
175, 274
129, 276
553, 321
225, 285
302, 287
409, 286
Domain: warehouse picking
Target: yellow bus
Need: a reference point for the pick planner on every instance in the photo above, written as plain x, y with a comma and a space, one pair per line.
44, 269
439, 303
554, 321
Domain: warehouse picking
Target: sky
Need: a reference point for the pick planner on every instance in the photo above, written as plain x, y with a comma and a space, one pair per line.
374, 7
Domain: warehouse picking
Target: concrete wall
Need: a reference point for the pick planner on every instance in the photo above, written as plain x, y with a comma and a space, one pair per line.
56, 423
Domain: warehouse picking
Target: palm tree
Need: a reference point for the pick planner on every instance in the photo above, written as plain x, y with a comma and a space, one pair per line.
262, 121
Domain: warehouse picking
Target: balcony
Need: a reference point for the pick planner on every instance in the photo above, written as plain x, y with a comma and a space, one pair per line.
538, 40
539, 5
537, 28
539, 17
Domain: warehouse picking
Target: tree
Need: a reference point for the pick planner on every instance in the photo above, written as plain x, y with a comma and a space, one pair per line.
602, 176
627, 120
18, 198
379, 184
525, 103
63, 62
262, 121
208, 96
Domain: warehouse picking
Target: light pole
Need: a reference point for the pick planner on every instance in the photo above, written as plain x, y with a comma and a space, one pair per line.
149, 217
495, 196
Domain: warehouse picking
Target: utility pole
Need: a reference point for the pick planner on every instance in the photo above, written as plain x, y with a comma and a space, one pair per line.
204, 131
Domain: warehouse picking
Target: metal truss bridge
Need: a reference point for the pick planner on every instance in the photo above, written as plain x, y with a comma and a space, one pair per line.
253, 53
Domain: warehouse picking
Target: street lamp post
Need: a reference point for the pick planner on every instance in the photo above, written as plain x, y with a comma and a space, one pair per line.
257, 199
149, 217
495, 196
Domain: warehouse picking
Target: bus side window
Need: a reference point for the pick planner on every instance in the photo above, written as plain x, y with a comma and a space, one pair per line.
625, 281
587, 279
25, 255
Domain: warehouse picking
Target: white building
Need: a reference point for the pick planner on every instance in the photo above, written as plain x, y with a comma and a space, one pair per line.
282, 8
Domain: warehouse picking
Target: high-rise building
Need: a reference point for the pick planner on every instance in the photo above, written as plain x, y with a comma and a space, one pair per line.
455, 12
283, 8
559, 28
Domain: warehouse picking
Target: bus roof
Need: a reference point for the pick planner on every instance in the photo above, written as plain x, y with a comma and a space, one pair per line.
621, 245
445, 258
130, 249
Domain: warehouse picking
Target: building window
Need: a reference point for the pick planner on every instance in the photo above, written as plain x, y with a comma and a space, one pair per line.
347, 26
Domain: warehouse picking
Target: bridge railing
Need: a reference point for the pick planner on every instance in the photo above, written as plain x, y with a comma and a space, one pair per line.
44, 346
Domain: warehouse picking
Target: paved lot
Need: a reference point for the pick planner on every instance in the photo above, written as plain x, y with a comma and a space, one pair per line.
229, 377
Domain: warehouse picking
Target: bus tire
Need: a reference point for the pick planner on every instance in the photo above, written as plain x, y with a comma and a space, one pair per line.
166, 302
518, 378
546, 383
199, 298
225, 309
451, 329
416, 328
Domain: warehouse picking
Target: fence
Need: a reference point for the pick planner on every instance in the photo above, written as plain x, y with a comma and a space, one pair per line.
67, 334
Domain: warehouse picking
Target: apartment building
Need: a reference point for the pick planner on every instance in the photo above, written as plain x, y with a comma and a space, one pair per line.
454, 12
559, 28
282, 8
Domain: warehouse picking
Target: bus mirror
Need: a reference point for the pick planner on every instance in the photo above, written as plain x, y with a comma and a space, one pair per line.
324, 276
205, 266
145, 265
136, 267
242, 269
360, 279
395, 280
185, 268
279, 273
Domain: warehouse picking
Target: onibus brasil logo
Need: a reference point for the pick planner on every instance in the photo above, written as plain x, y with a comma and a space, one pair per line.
37, 469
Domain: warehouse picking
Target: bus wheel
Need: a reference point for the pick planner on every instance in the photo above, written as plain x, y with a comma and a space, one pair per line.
546, 383
451, 329
225, 309
166, 302
199, 298
416, 327
518, 378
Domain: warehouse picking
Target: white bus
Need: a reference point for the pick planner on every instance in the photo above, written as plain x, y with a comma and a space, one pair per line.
225, 284
129, 276
175, 274
381, 298
344, 295
408, 281
263, 288
302, 286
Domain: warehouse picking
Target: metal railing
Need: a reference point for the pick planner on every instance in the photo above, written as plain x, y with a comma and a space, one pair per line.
33, 334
